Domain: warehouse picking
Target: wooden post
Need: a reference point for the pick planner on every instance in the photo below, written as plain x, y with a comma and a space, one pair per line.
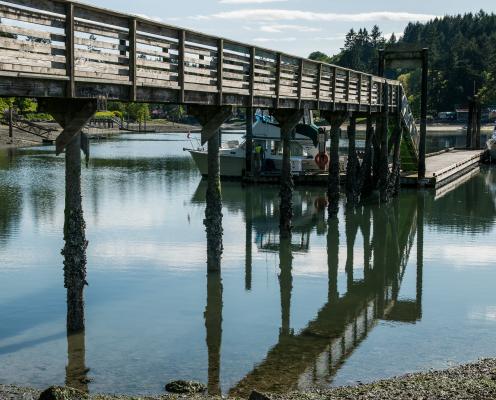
352, 167
213, 211
470, 123
69, 50
180, 66
249, 141
11, 122
220, 69
288, 119
334, 86
384, 162
213, 327
132, 57
366, 184
300, 82
278, 79
333, 181
252, 76
74, 251
319, 84
423, 113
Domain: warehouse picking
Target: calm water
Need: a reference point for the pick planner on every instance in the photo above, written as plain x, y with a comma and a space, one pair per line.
381, 292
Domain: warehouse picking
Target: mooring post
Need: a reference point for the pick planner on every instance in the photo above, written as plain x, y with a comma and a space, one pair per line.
333, 181
288, 119
353, 166
285, 283
213, 327
249, 141
384, 161
72, 115
211, 118
423, 114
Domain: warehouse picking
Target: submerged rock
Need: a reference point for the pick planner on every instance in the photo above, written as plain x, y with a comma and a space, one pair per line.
62, 393
182, 387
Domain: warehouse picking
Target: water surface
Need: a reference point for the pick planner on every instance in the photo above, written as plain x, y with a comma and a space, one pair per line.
379, 292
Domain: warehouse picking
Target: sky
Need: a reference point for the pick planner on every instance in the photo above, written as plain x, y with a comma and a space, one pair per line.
293, 26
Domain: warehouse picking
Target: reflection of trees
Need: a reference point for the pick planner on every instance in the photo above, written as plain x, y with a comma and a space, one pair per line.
469, 208
345, 320
11, 203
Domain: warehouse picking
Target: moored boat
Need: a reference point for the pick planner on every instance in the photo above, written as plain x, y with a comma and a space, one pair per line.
491, 145
268, 160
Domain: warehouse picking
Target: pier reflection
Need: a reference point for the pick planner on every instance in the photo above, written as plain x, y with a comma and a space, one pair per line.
314, 355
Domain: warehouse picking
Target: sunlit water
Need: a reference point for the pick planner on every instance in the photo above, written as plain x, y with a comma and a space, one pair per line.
284, 324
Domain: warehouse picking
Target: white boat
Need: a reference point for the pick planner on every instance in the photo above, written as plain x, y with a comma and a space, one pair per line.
304, 148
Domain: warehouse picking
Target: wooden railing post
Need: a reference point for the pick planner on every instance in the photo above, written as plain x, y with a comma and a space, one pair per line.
319, 84
69, 50
252, 76
348, 83
278, 79
132, 57
220, 68
180, 63
300, 82
371, 91
360, 81
334, 80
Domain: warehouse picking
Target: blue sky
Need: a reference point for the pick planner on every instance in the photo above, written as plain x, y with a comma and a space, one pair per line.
294, 26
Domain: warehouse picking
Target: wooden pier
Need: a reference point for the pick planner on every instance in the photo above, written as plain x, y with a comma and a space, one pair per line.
442, 168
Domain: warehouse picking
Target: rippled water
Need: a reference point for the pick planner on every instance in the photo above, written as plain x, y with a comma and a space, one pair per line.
381, 292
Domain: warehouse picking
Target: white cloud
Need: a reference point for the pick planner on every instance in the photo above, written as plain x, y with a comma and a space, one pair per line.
292, 15
279, 28
250, 1
265, 40
330, 38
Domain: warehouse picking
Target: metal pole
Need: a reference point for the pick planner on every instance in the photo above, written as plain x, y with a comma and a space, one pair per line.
423, 114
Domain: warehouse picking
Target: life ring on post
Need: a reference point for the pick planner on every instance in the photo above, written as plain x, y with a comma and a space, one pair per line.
322, 159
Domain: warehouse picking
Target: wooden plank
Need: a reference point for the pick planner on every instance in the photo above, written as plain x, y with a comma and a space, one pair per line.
38, 68
156, 42
31, 17
13, 55
160, 65
105, 31
120, 79
25, 46
152, 82
17, 30
99, 44
102, 57
102, 16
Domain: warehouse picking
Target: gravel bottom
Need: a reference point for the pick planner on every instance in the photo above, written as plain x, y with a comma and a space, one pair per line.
471, 381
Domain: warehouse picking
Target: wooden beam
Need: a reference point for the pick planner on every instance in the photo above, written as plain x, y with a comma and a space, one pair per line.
319, 84
300, 82
69, 50
334, 80
210, 118
132, 58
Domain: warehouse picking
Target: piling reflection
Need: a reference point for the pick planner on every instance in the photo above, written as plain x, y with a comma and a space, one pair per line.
213, 310
314, 355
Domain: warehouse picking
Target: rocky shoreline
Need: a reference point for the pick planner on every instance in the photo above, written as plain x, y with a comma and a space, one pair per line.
471, 381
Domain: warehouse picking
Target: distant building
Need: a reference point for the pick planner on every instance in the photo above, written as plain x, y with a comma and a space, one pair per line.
447, 116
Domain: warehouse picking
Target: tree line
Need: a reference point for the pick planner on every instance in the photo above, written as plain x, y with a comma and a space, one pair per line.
462, 58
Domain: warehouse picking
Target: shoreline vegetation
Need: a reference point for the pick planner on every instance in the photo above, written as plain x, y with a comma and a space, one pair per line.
470, 381
22, 139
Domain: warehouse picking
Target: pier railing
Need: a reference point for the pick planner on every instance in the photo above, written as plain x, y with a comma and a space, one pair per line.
58, 48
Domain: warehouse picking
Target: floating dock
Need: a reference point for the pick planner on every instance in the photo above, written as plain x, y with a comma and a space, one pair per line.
442, 168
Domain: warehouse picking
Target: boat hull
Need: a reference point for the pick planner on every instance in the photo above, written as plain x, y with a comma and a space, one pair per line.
491, 147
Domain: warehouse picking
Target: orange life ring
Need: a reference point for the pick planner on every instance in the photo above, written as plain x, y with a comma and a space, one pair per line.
322, 160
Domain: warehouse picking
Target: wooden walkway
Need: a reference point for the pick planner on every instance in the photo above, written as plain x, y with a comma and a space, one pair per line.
61, 48
441, 169
444, 168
